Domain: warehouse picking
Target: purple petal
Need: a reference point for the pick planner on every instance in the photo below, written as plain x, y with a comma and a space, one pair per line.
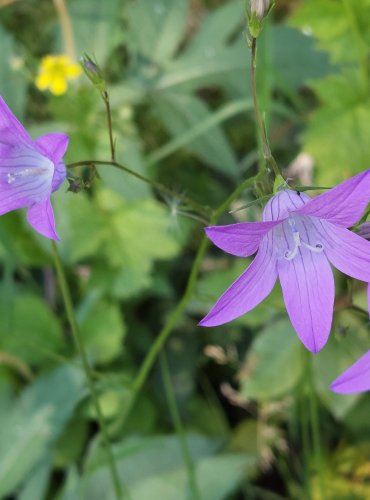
308, 289
355, 379
25, 177
11, 130
53, 146
284, 202
343, 204
248, 290
241, 239
41, 217
347, 251
60, 174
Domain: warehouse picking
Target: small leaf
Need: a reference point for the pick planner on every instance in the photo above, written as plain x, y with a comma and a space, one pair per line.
273, 365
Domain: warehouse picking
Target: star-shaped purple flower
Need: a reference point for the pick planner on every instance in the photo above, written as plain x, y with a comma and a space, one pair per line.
297, 240
30, 171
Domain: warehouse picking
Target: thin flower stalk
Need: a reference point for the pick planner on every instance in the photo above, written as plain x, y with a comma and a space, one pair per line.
117, 484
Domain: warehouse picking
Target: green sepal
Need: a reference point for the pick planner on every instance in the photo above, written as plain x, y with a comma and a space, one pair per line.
279, 184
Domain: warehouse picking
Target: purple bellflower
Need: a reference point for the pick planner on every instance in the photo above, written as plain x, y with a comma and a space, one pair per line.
355, 379
297, 240
30, 171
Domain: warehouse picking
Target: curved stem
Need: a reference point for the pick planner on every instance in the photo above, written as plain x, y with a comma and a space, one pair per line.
176, 420
259, 120
157, 185
87, 369
180, 308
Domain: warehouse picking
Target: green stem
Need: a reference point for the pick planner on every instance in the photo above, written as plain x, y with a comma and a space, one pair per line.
105, 97
157, 185
315, 429
179, 310
176, 419
87, 369
259, 120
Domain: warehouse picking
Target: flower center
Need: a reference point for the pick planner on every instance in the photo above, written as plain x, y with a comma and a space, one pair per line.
27, 172
298, 242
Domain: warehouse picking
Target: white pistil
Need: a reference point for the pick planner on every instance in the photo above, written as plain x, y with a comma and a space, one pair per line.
27, 172
298, 242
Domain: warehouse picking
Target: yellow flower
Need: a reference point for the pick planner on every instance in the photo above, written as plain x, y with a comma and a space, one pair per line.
55, 72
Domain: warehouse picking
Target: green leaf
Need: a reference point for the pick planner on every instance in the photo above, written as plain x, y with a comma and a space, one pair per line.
288, 48
137, 235
36, 486
96, 26
13, 83
19, 243
70, 443
273, 364
80, 225
182, 112
337, 134
153, 468
225, 67
34, 423
162, 27
217, 477
332, 24
29, 329
128, 153
102, 329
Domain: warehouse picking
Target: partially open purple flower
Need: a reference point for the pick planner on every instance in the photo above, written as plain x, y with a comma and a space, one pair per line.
297, 240
355, 379
30, 171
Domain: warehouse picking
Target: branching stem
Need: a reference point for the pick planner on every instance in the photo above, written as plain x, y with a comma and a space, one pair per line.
197, 207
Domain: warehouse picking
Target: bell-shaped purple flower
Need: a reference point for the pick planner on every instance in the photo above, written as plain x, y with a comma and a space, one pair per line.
297, 240
355, 379
30, 171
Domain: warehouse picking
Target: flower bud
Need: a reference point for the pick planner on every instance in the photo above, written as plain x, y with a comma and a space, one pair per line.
260, 8
93, 73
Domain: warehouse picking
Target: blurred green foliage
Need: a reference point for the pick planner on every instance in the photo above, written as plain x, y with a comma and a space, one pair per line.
179, 84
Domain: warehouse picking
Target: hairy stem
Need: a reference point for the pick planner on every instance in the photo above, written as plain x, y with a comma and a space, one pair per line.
176, 420
259, 120
87, 369
197, 207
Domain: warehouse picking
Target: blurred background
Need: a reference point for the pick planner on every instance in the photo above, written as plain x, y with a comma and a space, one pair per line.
255, 408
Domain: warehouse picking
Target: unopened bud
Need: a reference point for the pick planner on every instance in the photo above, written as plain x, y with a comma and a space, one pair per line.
260, 8
93, 73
